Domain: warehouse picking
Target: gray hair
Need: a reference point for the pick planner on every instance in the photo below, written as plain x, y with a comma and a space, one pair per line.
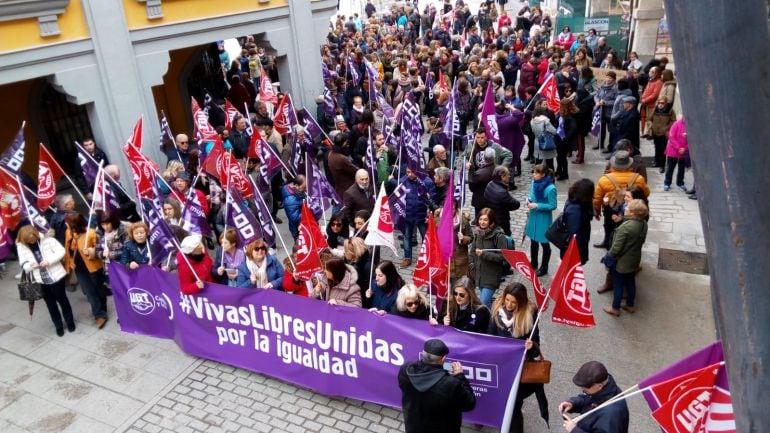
499, 171
298, 129
408, 291
443, 173
489, 155
429, 358
62, 199
438, 148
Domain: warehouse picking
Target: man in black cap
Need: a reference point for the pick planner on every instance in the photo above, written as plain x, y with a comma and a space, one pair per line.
598, 386
434, 398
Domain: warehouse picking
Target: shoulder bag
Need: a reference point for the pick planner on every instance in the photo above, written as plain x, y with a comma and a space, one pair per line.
537, 370
29, 290
557, 233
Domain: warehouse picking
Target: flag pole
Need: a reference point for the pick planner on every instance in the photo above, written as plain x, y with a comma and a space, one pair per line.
91, 211
371, 266
107, 174
269, 215
61, 170
620, 397
227, 200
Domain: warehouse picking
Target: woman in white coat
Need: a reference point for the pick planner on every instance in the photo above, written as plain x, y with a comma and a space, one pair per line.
41, 260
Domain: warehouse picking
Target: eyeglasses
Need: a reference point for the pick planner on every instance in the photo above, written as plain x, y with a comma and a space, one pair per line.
336, 224
260, 249
461, 294
181, 142
411, 304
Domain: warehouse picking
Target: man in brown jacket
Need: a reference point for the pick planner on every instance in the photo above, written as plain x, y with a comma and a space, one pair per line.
360, 196
342, 170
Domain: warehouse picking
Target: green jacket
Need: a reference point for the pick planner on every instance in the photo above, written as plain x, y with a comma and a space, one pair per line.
627, 245
503, 156
487, 269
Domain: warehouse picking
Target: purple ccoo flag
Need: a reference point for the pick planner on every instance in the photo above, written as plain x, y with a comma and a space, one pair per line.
489, 115
320, 193
241, 218
13, 157
330, 104
161, 238
397, 203
193, 218
355, 76
165, 132
88, 166
596, 121
263, 214
31, 211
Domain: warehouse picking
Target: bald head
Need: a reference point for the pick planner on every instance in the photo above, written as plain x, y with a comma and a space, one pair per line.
182, 141
113, 171
362, 178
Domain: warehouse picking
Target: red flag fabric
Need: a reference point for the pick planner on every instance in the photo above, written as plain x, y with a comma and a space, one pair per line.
143, 169
203, 129
568, 290
446, 227
671, 388
431, 270
281, 121
49, 172
230, 113
520, 262
441, 83
310, 242
686, 411
266, 92
551, 93
10, 200
256, 141
226, 168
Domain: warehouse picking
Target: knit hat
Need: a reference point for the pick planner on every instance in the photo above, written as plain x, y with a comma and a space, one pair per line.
190, 243
629, 99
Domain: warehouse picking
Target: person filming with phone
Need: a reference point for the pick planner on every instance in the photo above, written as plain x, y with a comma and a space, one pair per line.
435, 393
598, 387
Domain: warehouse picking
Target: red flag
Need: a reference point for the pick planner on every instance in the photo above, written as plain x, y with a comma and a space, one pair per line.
230, 113
551, 93
266, 92
203, 129
48, 173
569, 292
10, 200
441, 83
431, 270
143, 169
720, 418
687, 410
520, 262
310, 242
254, 144
281, 121
225, 167
671, 388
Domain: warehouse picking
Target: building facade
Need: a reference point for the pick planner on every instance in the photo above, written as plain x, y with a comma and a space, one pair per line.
78, 68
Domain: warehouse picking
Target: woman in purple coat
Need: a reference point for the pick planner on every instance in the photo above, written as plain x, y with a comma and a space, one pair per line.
509, 122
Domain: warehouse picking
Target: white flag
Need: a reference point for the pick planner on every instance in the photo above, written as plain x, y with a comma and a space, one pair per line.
380, 224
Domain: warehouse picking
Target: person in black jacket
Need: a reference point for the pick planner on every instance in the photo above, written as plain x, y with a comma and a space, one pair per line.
568, 113
239, 138
578, 211
498, 198
598, 386
433, 399
626, 125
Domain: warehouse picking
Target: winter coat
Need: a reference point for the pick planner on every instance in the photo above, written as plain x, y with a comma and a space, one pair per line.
662, 121
497, 198
487, 269
273, 269
240, 141
511, 135
478, 183
627, 245
432, 400
578, 220
75, 245
417, 203
421, 313
540, 125
527, 78
617, 107
669, 91
626, 125
607, 94
346, 292
540, 218
613, 418
651, 92
605, 187
497, 328
677, 140
343, 172
187, 276
356, 199
503, 156
292, 206
132, 253
52, 252
471, 319
458, 267
115, 246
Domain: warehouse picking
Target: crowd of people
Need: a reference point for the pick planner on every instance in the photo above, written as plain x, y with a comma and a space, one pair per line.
372, 67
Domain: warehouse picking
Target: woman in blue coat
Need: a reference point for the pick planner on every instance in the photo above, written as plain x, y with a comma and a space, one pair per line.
260, 269
542, 202
578, 212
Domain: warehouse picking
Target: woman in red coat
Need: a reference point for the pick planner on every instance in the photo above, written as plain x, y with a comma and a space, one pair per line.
194, 265
650, 97
527, 77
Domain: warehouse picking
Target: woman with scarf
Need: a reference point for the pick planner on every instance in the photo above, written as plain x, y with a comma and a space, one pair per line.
337, 231
384, 289
260, 269
513, 316
541, 204
229, 257
194, 265
339, 285
111, 237
486, 260
464, 310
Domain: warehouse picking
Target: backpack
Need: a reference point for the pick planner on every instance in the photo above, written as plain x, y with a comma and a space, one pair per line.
509, 244
619, 194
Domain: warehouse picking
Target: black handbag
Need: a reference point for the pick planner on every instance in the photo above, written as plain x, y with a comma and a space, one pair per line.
557, 233
28, 289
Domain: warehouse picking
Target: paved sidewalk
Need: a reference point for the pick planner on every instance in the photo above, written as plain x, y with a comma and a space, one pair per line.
107, 381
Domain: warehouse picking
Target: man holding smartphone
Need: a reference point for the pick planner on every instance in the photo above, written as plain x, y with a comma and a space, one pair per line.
435, 392
598, 386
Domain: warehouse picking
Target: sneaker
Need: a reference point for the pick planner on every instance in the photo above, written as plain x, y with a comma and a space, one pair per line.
682, 187
629, 308
693, 196
666, 187
17, 276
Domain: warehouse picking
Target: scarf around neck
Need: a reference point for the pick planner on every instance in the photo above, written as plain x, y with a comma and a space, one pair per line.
539, 187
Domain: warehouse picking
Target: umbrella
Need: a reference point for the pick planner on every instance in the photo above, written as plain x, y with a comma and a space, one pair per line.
31, 307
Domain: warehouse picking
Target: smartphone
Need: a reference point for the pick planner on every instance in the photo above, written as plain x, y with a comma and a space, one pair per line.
448, 366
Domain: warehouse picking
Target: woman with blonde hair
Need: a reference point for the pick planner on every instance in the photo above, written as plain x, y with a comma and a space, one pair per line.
514, 316
463, 309
626, 253
41, 260
357, 255
411, 303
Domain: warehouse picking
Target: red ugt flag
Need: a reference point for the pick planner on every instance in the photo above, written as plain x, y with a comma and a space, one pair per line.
310, 242
49, 172
569, 292
551, 93
687, 410
10, 200
230, 113
143, 169
266, 92
203, 129
431, 270
520, 262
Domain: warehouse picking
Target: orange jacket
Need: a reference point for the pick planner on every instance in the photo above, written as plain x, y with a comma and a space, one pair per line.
605, 188
75, 246
651, 92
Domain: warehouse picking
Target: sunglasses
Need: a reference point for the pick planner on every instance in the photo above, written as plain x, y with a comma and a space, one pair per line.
336, 224
260, 249
411, 304
461, 295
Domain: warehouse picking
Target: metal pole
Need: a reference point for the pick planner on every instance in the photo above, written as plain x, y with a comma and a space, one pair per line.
725, 93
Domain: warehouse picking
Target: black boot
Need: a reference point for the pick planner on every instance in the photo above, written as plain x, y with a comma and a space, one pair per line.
543, 270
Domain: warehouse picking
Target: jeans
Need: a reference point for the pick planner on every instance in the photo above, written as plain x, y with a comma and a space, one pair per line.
92, 284
486, 296
672, 163
408, 232
54, 294
618, 281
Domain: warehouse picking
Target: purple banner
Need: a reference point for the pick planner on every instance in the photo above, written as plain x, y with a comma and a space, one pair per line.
333, 350
13, 157
88, 165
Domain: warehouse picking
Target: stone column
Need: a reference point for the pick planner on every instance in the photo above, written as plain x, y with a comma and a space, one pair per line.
647, 17
302, 54
598, 8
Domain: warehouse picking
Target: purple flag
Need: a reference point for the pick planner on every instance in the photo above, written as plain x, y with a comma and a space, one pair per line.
271, 163
386, 108
446, 227
596, 121
241, 219
560, 129
387, 131
88, 165
325, 70
397, 203
31, 211
449, 118
370, 159
489, 116
371, 73
320, 193
110, 199
193, 218
6, 243
411, 134
13, 157
263, 214
165, 132
355, 76
161, 238
332, 350
459, 189
429, 84
330, 104
312, 127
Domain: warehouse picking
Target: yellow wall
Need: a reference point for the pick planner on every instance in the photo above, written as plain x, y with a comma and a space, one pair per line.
167, 96
188, 10
25, 33
12, 115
